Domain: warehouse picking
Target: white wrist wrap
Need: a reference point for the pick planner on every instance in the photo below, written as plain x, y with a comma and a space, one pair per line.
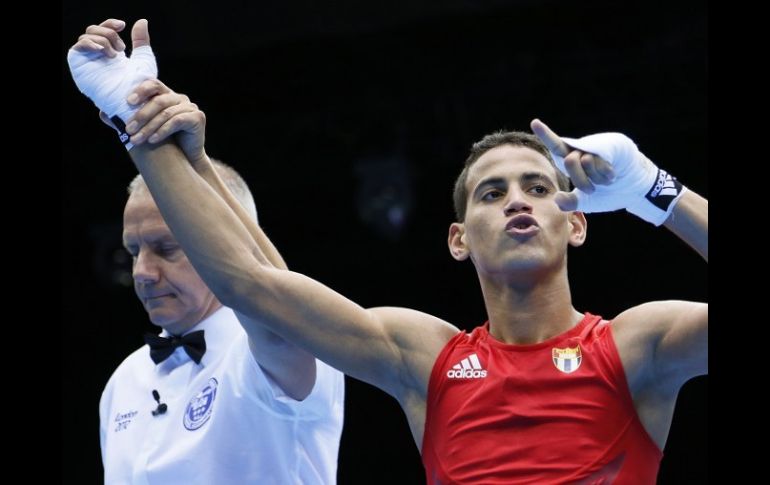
640, 186
108, 81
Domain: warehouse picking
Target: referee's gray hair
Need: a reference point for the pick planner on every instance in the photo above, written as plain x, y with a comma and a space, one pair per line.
230, 177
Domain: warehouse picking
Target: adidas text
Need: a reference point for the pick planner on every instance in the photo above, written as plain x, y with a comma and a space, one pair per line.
466, 374
664, 185
468, 368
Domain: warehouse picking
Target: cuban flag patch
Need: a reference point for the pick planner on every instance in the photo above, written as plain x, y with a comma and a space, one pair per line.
567, 360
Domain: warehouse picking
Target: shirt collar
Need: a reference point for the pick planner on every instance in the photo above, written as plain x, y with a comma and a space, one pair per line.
220, 329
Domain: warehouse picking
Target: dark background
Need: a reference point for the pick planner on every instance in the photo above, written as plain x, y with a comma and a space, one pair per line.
334, 115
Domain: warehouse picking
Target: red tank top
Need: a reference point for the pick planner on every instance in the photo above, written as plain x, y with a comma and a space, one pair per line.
559, 411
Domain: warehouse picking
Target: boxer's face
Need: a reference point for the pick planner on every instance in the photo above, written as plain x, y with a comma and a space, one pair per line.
512, 222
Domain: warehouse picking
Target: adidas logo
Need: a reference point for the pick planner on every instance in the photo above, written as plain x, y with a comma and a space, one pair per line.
664, 191
664, 185
468, 368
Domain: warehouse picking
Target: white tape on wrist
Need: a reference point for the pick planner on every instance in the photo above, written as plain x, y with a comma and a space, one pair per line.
108, 81
659, 201
640, 186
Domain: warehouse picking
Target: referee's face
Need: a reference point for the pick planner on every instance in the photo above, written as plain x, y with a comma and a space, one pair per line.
166, 283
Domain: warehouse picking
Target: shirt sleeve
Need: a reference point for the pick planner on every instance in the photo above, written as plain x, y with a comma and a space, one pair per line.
105, 403
327, 393
327, 396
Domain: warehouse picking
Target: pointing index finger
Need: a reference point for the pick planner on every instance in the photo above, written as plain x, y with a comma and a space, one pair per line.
549, 138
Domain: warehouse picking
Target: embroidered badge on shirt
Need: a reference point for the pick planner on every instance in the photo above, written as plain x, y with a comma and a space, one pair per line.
567, 360
199, 408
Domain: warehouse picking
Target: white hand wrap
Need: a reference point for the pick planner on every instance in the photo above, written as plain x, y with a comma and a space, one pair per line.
108, 81
640, 186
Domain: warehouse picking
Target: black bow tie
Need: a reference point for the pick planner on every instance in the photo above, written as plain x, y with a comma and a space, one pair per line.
161, 347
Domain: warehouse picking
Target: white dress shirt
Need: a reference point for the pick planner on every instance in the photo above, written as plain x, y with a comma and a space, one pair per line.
226, 421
